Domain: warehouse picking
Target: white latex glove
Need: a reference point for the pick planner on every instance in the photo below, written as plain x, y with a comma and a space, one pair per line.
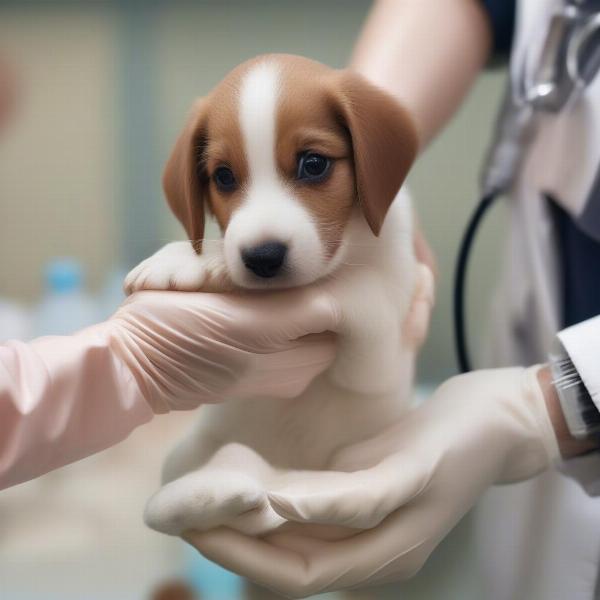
186, 349
415, 482
65, 397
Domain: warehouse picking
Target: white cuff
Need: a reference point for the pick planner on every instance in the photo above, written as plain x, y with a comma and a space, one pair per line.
582, 344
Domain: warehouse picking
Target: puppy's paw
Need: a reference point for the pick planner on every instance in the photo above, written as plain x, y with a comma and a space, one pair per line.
174, 267
202, 500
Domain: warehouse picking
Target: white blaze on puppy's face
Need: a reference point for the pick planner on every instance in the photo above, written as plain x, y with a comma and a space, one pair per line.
269, 215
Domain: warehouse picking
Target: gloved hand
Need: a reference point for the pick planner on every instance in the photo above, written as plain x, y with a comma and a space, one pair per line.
401, 491
186, 349
65, 397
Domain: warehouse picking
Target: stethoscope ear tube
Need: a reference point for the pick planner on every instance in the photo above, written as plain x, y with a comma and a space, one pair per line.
460, 281
513, 132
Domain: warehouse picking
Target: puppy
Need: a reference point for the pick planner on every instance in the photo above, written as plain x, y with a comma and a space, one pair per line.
301, 166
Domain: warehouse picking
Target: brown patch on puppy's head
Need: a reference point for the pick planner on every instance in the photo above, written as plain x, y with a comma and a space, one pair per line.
210, 139
307, 126
182, 182
368, 135
384, 143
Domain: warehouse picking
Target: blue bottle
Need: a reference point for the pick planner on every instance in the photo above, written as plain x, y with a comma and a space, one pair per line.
65, 307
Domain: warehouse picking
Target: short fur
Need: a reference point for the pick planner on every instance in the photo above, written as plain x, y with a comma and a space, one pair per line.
354, 230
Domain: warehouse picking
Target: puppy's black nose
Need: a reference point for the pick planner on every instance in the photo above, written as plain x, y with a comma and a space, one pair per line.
265, 260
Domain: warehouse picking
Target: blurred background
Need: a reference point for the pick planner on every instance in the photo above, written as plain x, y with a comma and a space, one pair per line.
102, 91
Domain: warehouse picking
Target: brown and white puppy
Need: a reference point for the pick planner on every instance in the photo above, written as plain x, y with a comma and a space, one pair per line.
281, 153
301, 165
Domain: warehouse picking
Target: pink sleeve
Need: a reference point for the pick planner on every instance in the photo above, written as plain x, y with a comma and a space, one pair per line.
61, 399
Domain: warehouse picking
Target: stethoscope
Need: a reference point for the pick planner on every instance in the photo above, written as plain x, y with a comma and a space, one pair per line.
568, 62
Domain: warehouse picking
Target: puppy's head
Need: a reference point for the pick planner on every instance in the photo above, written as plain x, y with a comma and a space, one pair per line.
280, 152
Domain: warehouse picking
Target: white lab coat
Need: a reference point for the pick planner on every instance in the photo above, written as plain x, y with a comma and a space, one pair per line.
540, 540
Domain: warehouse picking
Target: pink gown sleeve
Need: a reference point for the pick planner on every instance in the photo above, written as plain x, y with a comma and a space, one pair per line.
61, 399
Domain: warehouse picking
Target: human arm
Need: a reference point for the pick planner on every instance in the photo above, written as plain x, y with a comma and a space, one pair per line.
426, 56
401, 492
61, 399
64, 398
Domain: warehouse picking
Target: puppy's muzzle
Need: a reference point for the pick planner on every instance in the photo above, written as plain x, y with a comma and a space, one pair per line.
265, 260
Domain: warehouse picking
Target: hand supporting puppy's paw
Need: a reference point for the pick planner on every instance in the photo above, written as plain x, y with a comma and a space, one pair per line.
178, 267
217, 494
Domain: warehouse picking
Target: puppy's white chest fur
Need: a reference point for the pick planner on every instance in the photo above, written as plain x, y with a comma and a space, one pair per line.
240, 450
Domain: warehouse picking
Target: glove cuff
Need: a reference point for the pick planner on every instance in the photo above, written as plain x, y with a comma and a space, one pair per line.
536, 401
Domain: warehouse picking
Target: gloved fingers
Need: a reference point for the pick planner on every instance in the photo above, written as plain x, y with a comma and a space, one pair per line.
361, 499
425, 284
309, 310
152, 298
278, 568
189, 348
416, 322
423, 251
299, 566
292, 370
287, 373
275, 317
295, 566
394, 550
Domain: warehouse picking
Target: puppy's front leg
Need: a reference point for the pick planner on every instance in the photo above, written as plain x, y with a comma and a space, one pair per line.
176, 266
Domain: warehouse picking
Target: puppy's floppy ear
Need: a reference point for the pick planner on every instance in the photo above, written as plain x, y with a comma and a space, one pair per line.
384, 142
183, 182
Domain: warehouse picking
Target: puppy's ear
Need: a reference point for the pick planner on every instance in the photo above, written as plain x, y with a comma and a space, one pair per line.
183, 182
384, 142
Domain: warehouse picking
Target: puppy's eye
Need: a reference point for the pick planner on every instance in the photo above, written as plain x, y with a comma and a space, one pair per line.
225, 179
313, 167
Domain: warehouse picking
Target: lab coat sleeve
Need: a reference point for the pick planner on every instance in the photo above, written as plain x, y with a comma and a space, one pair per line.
61, 399
582, 344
